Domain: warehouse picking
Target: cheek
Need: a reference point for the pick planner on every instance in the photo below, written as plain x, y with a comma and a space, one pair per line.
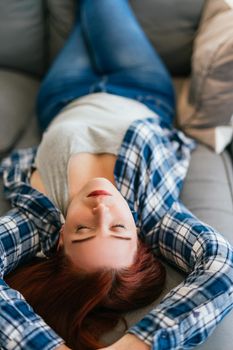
123, 211
74, 208
73, 218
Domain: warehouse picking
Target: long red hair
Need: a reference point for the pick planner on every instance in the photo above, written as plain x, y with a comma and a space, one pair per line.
80, 306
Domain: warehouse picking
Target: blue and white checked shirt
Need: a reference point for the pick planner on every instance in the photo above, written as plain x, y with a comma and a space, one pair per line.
149, 172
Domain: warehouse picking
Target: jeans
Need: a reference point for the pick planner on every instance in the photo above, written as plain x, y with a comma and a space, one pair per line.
107, 51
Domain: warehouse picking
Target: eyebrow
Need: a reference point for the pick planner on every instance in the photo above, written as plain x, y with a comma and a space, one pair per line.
91, 237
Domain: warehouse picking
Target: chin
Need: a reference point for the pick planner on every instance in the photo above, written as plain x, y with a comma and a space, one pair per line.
100, 181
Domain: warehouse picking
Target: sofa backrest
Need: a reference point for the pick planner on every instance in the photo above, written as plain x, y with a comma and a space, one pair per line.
32, 32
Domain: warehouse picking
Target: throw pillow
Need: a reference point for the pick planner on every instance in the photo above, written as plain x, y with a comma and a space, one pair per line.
207, 111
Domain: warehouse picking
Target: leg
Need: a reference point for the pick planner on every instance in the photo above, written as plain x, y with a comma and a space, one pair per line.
70, 76
122, 53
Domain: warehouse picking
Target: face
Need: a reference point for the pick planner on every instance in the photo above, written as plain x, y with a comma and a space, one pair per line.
99, 229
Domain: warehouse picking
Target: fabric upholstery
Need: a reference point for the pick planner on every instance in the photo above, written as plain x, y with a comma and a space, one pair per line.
4, 204
17, 101
22, 29
210, 101
30, 137
61, 17
171, 26
208, 189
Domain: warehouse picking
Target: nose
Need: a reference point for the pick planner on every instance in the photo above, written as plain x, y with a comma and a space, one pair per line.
101, 212
100, 208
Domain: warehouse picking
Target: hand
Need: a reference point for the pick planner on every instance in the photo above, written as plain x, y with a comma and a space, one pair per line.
128, 341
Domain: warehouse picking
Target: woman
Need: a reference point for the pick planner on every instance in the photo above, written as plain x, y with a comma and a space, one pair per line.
102, 187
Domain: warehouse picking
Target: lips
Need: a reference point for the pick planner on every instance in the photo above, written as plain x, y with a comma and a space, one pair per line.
99, 193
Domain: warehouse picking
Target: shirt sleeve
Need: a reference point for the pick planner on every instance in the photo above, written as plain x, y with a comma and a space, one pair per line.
20, 327
192, 310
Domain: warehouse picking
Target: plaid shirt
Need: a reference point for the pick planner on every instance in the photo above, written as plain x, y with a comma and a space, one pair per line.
149, 172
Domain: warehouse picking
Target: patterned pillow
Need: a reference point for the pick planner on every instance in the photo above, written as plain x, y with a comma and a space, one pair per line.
207, 111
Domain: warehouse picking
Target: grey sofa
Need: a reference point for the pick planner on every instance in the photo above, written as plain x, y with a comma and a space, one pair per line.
31, 34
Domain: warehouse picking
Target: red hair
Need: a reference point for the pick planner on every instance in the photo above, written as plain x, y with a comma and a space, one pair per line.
80, 306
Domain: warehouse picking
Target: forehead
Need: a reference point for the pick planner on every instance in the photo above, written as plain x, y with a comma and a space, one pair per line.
104, 252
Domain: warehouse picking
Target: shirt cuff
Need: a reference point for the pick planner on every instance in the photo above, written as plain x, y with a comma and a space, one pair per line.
34, 337
160, 339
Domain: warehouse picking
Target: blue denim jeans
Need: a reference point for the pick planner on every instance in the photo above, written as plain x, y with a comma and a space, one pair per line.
107, 51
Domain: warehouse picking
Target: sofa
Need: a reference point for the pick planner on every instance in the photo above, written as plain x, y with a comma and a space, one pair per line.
33, 32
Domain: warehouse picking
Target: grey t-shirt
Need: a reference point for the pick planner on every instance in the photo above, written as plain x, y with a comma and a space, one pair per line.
95, 123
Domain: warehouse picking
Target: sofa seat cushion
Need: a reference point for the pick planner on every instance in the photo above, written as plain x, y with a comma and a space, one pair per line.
22, 33
30, 137
17, 101
208, 189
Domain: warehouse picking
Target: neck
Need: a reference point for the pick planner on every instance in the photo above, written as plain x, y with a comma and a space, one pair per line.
83, 167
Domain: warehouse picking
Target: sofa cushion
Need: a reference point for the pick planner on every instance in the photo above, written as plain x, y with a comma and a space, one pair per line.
61, 17
208, 189
30, 137
210, 102
17, 101
170, 25
4, 204
22, 35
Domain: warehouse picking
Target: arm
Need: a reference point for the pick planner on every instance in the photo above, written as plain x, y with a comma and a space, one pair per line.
20, 327
191, 311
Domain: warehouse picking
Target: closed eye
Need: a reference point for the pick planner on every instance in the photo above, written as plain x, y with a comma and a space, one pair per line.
83, 228
117, 228
92, 237
119, 225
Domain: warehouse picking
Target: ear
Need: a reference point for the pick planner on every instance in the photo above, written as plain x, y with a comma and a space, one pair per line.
61, 237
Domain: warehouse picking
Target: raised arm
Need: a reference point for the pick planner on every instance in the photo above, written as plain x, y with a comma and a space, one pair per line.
20, 327
191, 311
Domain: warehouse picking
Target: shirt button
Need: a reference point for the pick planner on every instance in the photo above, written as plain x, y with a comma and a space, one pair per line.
196, 313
